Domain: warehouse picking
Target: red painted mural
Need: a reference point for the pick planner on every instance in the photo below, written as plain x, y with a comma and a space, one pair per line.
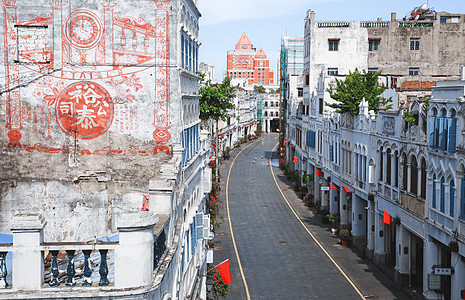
89, 64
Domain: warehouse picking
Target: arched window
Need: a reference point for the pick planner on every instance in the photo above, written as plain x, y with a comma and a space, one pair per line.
434, 192
388, 166
452, 198
443, 196
423, 178
404, 172
414, 176
381, 164
396, 169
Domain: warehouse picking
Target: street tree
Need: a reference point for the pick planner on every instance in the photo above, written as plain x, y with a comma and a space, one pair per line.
350, 91
259, 89
216, 102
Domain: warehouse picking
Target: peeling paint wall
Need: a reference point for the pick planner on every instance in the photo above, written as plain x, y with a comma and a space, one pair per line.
89, 109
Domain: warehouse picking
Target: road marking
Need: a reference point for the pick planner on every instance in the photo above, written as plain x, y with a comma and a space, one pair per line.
230, 224
311, 234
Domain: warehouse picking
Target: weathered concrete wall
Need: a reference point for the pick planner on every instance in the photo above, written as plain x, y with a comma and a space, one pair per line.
88, 109
442, 43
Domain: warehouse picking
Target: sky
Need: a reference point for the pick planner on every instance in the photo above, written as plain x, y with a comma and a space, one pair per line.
266, 21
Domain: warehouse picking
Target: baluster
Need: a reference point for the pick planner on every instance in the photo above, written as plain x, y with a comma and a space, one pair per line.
87, 269
3, 270
54, 270
103, 271
70, 270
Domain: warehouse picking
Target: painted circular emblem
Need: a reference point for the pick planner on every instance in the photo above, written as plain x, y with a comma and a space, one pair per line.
84, 109
83, 29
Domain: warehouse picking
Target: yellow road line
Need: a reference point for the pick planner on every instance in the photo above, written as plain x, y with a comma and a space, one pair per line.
230, 225
311, 234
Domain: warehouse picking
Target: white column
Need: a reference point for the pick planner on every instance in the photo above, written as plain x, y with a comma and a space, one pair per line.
134, 255
403, 259
343, 209
458, 278
430, 259
28, 265
379, 253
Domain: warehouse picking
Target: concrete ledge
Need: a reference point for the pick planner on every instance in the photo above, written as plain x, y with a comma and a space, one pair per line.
27, 222
135, 220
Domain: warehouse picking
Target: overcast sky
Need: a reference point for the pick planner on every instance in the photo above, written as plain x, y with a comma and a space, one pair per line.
266, 21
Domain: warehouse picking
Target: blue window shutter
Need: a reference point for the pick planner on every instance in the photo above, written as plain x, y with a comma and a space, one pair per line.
182, 50
432, 138
199, 226
452, 198
193, 237
436, 132
462, 200
331, 152
443, 196
452, 134
442, 134
434, 192
308, 138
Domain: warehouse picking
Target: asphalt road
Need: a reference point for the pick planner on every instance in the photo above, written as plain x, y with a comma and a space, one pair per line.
280, 260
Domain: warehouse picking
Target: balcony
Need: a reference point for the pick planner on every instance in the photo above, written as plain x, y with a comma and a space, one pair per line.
413, 203
105, 267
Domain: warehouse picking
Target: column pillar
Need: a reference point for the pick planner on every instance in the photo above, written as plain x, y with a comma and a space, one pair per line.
379, 256
343, 209
403, 251
134, 255
28, 264
429, 260
371, 228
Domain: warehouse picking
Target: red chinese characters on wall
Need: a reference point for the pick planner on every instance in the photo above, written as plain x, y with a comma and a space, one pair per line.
84, 109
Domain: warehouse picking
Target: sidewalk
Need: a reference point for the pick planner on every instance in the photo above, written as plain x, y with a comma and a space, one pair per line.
373, 283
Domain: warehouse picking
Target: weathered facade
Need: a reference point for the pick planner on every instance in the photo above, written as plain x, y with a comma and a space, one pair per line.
101, 143
395, 177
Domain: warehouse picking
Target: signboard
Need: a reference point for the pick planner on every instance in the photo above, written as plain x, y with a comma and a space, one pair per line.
211, 236
434, 282
325, 188
442, 271
209, 256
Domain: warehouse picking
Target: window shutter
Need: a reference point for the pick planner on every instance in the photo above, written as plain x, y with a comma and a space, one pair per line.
452, 134
462, 200
206, 226
199, 226
193, 237
331, 152
434, 192
436, 132
432, 137
442, 134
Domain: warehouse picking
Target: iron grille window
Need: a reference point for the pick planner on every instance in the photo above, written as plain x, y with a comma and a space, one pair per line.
414, 44
333, 45
373, 45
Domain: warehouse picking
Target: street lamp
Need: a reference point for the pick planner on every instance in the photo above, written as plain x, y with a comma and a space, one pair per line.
210, 284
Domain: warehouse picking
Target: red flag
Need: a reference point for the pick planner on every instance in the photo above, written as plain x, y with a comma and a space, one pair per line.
387, 218
224, 271
346, 189
222, 136
295, 160
145, 196
284, 143
332, 187
230, 130
318, 173
210, 156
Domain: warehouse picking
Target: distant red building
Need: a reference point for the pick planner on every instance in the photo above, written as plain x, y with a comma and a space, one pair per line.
246, 62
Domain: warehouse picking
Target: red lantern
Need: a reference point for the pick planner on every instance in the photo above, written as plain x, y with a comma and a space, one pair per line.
211, 163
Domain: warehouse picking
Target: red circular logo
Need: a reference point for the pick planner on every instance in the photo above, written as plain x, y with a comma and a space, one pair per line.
84, 109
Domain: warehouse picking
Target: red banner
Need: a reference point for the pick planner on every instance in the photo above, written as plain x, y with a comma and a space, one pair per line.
225, 271
295, 160
387, 218
347, 190
318, 173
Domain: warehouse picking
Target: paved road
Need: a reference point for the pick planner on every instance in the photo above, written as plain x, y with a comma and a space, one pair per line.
279, 258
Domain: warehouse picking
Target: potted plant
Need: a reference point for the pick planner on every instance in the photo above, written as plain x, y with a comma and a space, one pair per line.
345, 237
334, 218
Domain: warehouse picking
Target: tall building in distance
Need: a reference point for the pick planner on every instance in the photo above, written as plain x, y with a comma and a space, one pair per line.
291, 63
245, 62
